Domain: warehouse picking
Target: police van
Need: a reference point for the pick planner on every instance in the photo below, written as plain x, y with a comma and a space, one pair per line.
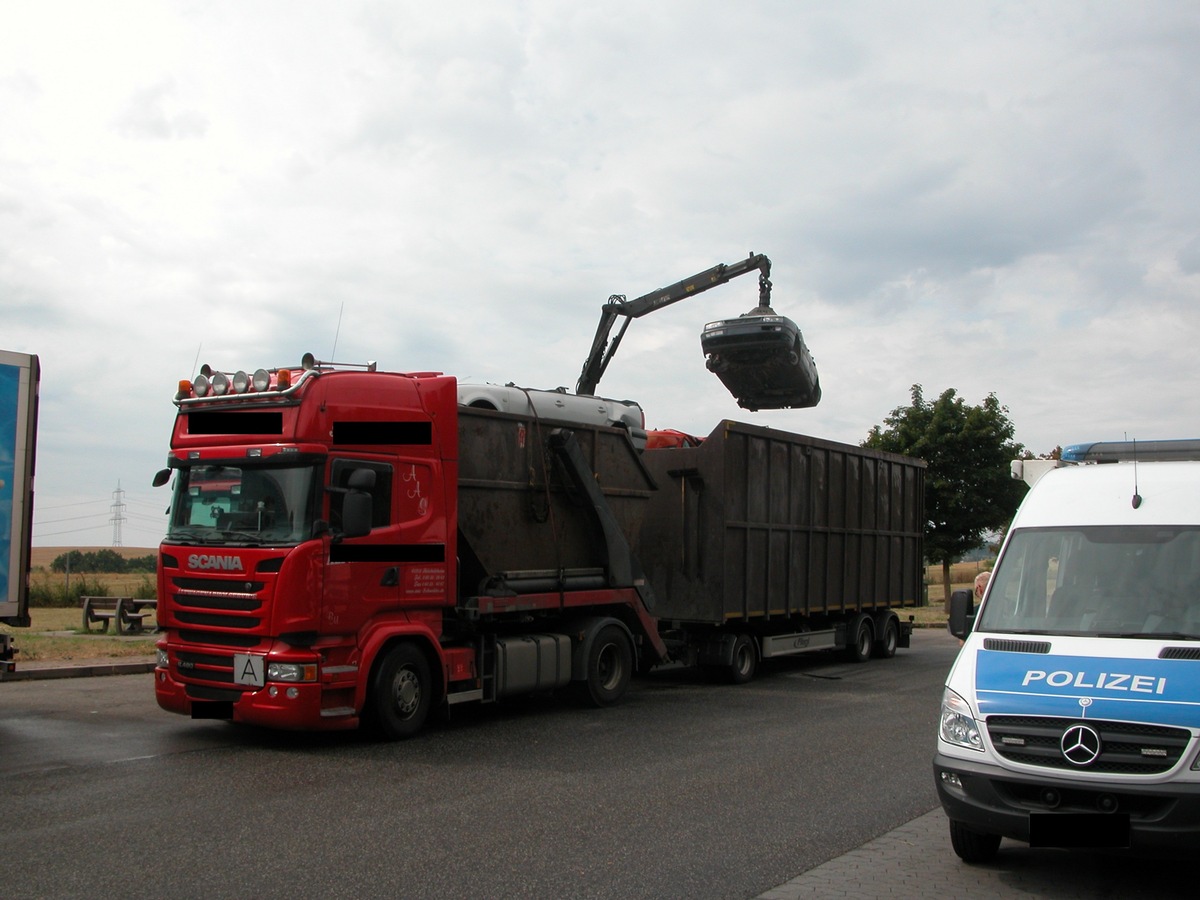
1071, 717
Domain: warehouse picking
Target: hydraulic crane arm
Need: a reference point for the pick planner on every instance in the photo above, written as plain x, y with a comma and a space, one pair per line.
602, 350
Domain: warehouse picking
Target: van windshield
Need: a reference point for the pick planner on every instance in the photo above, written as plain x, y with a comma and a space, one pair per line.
1126, 581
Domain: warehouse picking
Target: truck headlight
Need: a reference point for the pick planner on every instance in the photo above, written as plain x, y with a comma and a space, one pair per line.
162, 661
283, 671
958, 725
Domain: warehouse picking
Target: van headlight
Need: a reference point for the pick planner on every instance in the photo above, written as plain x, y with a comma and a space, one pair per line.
958, 725
284, 671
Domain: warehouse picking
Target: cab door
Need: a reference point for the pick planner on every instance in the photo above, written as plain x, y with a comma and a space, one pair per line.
363, 577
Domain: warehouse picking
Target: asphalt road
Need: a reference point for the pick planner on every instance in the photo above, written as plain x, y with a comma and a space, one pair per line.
685, 789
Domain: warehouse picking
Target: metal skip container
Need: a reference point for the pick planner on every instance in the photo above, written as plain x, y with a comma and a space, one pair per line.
524, 526
756, 524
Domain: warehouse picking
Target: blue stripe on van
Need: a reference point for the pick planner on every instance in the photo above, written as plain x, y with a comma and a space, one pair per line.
1156, 691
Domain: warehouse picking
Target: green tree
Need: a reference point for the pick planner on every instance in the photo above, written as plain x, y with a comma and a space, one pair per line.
71, 560
968, 489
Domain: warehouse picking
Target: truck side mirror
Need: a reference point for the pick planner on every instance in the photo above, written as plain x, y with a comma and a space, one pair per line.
161, 477
962, 613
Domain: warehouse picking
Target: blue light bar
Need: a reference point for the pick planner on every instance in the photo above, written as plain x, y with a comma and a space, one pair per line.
1127, 451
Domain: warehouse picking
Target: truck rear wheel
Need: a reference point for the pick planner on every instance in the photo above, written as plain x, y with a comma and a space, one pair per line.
861, 639
609, 667
973, 846
401, 692
745, 660
885, 647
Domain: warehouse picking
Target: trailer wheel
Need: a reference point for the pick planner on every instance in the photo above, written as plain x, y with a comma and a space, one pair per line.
862, 640
885, 648
609, 667
400, 694
973, 846
745, 660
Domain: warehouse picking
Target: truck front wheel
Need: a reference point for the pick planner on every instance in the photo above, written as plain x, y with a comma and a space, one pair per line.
400, 695
609, 667
973, 846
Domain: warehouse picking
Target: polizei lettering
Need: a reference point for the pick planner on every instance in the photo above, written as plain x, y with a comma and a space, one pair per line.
212, 561
1104, 681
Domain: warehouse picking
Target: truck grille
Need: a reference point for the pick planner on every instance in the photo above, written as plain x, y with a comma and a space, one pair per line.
202, 602
1126, 748
217, 617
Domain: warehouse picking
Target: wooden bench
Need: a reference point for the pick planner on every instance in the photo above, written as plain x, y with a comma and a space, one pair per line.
127, 612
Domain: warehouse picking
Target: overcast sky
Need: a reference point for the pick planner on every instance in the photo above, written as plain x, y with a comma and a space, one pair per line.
993, 197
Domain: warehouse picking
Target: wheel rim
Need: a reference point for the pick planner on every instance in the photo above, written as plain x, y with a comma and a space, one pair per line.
406, 692
744, 661
608, 667
864, 639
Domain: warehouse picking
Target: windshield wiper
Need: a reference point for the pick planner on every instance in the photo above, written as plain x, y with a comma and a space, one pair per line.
203, 537
242, 537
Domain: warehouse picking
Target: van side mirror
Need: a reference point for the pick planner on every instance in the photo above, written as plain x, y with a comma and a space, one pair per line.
962, 613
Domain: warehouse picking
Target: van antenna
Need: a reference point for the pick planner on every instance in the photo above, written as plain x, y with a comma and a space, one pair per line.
1137, 498
337, 331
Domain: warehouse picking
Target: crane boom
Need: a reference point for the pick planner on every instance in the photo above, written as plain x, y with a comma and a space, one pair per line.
617, 306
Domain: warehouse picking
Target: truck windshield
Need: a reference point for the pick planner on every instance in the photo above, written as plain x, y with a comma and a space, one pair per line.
226, 504
1126, 581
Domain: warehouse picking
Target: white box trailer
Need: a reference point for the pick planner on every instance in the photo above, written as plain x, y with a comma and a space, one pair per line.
19, 374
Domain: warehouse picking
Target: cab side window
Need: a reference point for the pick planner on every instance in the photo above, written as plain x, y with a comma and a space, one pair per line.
381, 493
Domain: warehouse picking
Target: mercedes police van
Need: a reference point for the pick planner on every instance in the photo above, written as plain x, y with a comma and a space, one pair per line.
1071, 717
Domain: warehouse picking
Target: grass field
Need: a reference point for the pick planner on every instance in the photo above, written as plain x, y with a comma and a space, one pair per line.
46, 640
57, 634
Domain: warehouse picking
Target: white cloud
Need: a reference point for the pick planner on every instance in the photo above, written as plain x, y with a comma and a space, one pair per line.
995, 198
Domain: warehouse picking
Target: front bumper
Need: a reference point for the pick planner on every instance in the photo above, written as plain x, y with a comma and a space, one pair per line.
294, 707
991, 800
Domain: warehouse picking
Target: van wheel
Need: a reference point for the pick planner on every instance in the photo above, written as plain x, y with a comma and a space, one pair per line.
745, 660
973, 846
401, 693
609, 667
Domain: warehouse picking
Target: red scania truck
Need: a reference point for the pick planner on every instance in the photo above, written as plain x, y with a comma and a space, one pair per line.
351, 546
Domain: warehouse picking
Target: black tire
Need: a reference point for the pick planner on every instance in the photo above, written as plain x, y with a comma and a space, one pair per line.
400, 693
885, 647
862, 640
973, 846
609, 667
745, 660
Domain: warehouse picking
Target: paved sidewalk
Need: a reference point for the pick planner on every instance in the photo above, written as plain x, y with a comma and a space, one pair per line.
917, 861
37, 670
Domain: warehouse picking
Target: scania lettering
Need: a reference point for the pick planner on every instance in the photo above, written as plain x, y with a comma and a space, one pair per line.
227, 563
1071, 717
